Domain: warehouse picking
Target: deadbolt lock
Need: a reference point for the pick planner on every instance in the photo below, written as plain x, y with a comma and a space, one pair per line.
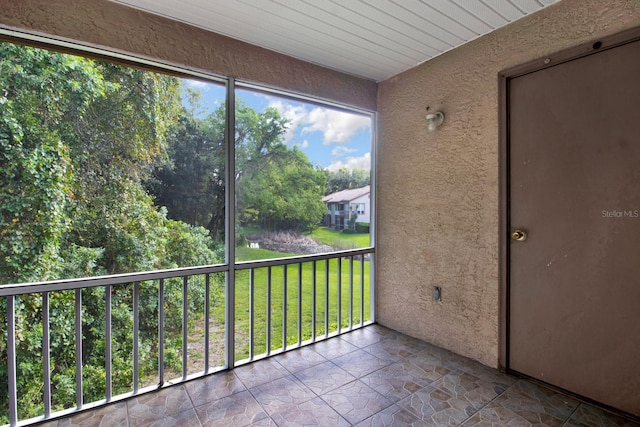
519, 235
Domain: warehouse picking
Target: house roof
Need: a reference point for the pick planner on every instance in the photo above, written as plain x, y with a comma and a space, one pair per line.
347, 195
374, 39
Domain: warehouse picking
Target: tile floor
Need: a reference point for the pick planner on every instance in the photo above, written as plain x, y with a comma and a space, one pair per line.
370, 377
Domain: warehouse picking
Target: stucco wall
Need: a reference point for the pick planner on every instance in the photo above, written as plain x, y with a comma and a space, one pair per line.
438, 192
105, 24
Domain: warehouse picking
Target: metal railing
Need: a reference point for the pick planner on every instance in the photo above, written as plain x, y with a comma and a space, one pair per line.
280, 304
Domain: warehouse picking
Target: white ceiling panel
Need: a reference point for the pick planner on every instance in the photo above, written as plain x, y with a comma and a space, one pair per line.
482, 12
374, 39
507, 9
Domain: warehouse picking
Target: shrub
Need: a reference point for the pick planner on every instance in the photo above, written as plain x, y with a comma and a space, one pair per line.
362, 227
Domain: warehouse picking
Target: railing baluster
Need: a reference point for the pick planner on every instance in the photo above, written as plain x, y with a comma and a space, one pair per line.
361, 290
299, 303
268, 311
79, 397
284, 307
161, 332
11, 360
351, 292
136, 336
185, 324
339, 294
206, 323
45, 293
46, 355
313, 301
326, 298
107, 343
372, 289
251, 309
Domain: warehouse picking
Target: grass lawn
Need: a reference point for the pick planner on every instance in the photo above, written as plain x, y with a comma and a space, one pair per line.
340, 240
293, 272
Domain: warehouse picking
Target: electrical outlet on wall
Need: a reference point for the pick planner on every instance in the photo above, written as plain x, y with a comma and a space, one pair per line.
437, 293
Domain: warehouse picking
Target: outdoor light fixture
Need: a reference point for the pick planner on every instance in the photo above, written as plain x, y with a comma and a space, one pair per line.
434, 120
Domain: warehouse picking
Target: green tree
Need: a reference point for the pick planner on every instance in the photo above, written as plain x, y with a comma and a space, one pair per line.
78, 140
191, 183
287, 195
35, 164
276, 187
347, 179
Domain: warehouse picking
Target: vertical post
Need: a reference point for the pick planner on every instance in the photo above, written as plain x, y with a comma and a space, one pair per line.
373, 229
46, 355
251, 312
185, 325
362, 290
299, 303
326, 298
339, 294
136, 335
79, 393
284, 307
107, 343
230, 229
351, 292
161, 332
207, 293
268, 311
372, 287
313, 301
11, 360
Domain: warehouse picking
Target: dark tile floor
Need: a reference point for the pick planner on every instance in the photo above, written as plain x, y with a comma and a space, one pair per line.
369, 377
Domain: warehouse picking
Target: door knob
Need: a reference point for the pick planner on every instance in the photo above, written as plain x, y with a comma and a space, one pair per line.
519, 235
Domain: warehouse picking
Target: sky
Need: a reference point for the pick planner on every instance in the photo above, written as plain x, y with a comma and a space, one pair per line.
329, 137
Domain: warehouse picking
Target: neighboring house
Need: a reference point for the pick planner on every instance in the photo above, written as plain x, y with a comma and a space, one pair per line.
343, 204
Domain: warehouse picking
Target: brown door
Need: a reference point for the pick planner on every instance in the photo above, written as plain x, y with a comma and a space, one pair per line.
574, 190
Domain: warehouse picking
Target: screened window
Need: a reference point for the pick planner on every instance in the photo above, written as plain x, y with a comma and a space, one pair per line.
105, 168
110, 169
290, 156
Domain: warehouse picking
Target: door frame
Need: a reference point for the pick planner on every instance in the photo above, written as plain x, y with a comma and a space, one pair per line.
504, 225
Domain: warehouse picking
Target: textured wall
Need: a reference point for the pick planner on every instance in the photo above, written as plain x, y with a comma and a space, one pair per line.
114, 26
438, 192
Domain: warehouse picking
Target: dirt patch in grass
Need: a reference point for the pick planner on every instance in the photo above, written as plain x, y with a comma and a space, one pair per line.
289, 242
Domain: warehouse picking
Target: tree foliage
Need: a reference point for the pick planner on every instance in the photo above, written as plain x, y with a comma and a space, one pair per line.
276, 186
286, 195
347, 179
78, 140
103, 170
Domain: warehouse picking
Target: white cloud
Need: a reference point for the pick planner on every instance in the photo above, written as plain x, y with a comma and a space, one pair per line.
363, 162
341, 150
304, 144
335, 126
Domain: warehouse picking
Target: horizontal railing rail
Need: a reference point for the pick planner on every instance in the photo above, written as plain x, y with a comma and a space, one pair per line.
280, 304
115, 279
243, 265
